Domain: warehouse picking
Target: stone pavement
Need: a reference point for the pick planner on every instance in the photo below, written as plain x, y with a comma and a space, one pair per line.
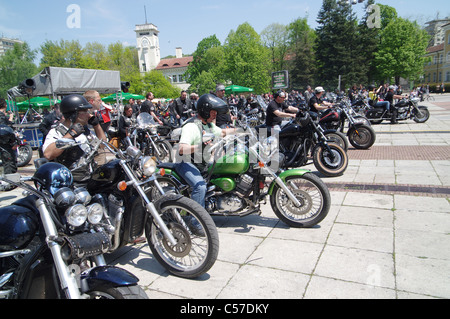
386, 235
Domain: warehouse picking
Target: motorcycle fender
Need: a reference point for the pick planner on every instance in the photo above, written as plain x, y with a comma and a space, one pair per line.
114, 276
288, 173
166, 197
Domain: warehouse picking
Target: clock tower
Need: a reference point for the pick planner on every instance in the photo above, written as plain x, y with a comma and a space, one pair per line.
148, 46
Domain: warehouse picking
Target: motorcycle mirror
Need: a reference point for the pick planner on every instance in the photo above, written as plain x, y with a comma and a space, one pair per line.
65, 143
208, 137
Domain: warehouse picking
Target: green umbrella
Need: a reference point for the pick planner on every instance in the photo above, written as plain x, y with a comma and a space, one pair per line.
125, 96
237, 89
37, 102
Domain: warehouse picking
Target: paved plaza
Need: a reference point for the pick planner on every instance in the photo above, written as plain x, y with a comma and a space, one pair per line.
386, 235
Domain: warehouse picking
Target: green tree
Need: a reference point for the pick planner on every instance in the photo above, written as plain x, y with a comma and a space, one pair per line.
16, 66
246, 59
155, 82
338, 46
402, 49
302, 39
275, 39
64, 53
201, 61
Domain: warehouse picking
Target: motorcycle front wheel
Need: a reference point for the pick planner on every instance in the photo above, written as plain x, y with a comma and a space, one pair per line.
196, 234
330, 164
422, 115
108, 292
24, 155
361, 137
313, 195
163, 152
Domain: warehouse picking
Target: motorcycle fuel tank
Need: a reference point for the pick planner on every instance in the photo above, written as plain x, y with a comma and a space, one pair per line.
107, 174
18, 226
234, 164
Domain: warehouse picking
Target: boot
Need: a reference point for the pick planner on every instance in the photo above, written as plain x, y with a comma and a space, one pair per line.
394, 116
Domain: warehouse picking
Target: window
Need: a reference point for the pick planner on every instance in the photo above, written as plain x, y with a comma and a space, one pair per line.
180, 78
447, 76
448, 57
174, 79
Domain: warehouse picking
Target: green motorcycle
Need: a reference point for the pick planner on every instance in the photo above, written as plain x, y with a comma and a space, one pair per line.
244, 171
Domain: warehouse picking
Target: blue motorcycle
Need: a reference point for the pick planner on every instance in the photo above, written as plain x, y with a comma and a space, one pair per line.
52, 243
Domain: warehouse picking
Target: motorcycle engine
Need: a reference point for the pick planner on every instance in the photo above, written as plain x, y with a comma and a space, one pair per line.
229, 203
402, 112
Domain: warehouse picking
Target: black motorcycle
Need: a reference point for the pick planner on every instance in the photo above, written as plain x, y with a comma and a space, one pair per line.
302, 138
360, 133
145, 136
407, 108
50, 240
180, 233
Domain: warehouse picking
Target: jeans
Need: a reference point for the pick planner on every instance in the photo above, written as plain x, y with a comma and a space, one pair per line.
384, 104
194, 178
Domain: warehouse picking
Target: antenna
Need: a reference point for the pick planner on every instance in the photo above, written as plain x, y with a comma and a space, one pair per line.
145, 10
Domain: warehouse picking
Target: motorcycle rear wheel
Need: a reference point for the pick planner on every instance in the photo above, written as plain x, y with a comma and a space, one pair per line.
328, 166
311, 192
196, 234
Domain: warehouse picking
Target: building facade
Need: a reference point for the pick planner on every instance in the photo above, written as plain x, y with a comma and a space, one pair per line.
7, 44
437, 70
147, 37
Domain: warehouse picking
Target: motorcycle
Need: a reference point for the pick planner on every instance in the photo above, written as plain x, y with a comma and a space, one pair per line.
360, 133
302, 138
407, 108
180, 233
24, 150
144, 135
239, 181
50, 240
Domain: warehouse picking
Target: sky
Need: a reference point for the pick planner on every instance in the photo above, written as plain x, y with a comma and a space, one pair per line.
181, 23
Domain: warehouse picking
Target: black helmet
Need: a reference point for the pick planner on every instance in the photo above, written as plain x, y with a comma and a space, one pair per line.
208, 102
7, 135
52, 177
72, 104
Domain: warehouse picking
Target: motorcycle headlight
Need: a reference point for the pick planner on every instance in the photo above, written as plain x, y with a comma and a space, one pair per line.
153, 130
76, 215
148, 166
95, 213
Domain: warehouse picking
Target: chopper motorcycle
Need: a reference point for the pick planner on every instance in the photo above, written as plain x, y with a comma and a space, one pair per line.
180, 233
303, 137
360, 133
407, 108
51, 239
249, 172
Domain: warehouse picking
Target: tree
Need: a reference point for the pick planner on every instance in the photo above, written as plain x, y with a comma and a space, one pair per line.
155, 82
275, 38
200, 62
402, 49
246, 59
337, 46
67, 54
16, 66
301, 40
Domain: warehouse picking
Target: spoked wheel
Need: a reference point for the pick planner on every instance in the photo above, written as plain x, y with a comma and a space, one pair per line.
362, 136
314, 198
196, 235
163, 152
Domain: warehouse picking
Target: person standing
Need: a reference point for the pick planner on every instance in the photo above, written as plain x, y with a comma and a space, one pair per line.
8, 140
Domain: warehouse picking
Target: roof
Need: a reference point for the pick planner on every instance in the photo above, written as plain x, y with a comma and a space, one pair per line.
174, 63
436, 48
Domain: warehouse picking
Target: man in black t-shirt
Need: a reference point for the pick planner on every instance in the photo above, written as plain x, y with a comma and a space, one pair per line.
316, 104
149, 107
276, 110
389, 97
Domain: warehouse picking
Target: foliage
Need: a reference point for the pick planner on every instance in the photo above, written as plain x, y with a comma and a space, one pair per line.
246, 59
16, 66
402, 49
276, 38
155, 82
301, 43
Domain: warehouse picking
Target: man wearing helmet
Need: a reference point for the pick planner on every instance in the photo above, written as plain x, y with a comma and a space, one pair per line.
76, 118
208, 107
